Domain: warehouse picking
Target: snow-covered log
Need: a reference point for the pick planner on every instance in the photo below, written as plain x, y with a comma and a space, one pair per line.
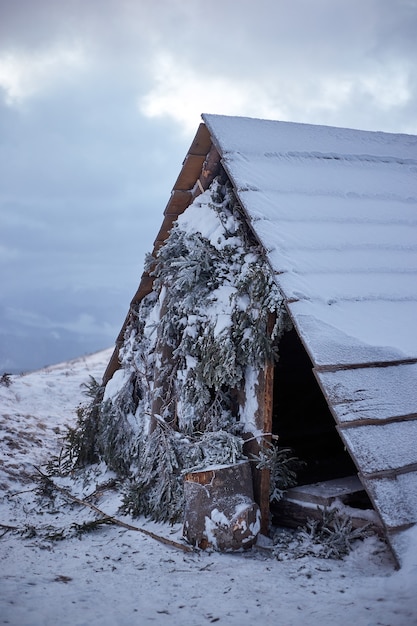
219, 508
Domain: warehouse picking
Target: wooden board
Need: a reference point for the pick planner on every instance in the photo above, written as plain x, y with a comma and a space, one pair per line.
395, 498
307, 502
371, 393
164, 231
375, 411
178, 202
201, 142
382, 447
326, 492
190, 172
145, 287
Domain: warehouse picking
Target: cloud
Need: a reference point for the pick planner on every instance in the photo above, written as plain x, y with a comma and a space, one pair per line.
180, 93
23, 75
362, 99
301, 60
99, 102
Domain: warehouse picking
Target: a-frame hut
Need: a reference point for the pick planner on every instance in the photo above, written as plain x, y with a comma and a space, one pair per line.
334, 212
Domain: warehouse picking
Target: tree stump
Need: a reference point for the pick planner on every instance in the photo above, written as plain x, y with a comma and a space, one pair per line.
219, 508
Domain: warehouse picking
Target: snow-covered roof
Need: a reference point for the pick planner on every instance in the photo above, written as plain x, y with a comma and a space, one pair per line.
336, 212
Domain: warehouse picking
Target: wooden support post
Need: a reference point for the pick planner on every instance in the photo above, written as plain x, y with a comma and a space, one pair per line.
263, 423
266, 413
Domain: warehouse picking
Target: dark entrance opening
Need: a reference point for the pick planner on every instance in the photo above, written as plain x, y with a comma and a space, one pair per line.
303, 422
302, 419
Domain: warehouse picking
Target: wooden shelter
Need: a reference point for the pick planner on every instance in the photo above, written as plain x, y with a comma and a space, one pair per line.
335, 213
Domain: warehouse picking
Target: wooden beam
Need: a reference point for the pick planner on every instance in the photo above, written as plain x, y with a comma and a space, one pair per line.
210, 168
397, 529
190, 172
389, 473
201, 142
367, 365
264, 475
145, 287
164, 231
263, 423
178, 202
112, 366
376, 421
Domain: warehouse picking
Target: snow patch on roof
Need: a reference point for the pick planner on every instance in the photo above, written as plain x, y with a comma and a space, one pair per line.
336, 212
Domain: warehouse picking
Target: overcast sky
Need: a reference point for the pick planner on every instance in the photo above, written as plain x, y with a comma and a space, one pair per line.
99, 102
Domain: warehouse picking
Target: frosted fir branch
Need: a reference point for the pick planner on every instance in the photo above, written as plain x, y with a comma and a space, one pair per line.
105, 518
331, 536
282, 465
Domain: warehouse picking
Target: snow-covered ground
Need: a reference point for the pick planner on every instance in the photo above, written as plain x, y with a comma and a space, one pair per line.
116, 576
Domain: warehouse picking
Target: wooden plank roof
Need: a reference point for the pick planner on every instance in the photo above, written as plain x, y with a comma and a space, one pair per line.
336, 212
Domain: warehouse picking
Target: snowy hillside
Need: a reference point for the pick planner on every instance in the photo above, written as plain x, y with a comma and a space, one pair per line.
51, 573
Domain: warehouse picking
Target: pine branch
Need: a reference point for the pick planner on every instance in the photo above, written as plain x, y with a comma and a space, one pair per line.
110, 518
8, 527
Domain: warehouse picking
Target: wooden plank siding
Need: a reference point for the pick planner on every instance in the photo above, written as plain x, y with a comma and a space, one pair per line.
201, 164
383, 447
373, 409
190, 172
395, 498
201, 143
178, 202
374, 392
